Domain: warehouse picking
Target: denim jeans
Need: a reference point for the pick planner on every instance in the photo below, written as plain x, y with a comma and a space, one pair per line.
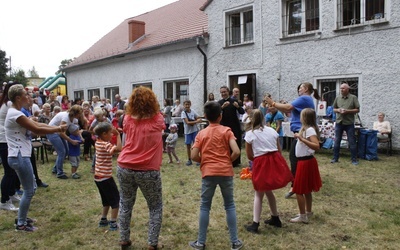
339, 128
208, 187
61, 147
23, 168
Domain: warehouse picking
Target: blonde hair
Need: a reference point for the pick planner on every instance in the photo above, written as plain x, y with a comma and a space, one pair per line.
308, 119
257, 120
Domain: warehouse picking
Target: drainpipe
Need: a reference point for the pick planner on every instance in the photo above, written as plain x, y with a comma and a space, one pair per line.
66, 86
205, 70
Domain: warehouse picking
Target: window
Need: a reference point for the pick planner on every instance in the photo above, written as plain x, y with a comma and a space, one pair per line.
246, 84
93, 92
353, 12
176, 90
78, 95
330, 88
111, 92
239, 27
147, 85
300, 17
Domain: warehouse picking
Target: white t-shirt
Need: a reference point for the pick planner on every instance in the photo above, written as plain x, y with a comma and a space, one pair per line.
192, 115
262, 141
62, 117
301, 148
3, 113
18, 137
35, 108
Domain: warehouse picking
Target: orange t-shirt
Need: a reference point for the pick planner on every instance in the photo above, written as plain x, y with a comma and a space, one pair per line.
213, 144
143, 143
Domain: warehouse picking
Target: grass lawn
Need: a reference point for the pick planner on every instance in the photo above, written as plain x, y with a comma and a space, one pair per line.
358, 207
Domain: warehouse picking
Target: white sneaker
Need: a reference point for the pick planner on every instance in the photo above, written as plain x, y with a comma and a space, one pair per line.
300, 219
8, 206
15, 198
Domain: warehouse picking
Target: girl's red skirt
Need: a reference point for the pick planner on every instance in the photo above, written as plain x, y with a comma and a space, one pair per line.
270, 172
307, 177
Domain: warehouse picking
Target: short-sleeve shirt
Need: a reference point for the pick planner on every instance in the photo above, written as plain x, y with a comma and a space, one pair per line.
300, 103
18, 138
62, 117
74, 150
213, 144
349, 102
301, 148
262, 141
103, 166
278, 117
3, 113
192, 115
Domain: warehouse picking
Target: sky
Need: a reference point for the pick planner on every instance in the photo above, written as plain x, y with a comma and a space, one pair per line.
42, 33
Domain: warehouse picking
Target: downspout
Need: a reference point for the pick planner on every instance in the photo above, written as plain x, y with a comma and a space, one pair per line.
66, 86
205, 70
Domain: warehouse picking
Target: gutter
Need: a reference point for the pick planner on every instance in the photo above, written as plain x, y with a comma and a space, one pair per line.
205, 70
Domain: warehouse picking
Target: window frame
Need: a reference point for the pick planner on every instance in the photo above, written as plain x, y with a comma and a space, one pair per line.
363, 20
109, 93
93, 92
79, 94
353, 81
228, 33
304, 15
174, 84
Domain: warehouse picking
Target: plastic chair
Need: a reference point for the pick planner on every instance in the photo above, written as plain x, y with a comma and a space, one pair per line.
38, 145
388, 142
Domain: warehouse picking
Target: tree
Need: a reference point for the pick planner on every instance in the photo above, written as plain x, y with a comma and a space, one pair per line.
19, 76
33, 73
64, 63
3, 67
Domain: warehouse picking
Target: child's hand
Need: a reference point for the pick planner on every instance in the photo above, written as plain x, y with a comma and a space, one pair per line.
115, 131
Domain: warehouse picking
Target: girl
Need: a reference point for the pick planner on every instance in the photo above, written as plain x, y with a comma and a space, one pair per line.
171, 143
270, 170
307, 177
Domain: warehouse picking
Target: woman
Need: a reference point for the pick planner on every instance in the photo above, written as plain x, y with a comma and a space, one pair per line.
59, 140
139, 163
84, 122
65, 104
18, 128
211, 98
8, 182
45, 116
382, 126
167, 113
305, 90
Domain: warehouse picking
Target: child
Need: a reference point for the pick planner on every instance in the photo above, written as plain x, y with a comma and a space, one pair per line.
307, 177
190, 120
213, 147
171, 142
274, 120
99, 116
74, 151
115, 123
103, 173
270, 170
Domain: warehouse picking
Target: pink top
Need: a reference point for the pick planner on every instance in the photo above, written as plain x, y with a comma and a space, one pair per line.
143, 145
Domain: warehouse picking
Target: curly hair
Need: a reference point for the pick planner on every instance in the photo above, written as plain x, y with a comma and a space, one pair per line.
142, 103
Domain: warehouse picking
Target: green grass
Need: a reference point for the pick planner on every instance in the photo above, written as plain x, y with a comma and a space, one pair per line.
358, 207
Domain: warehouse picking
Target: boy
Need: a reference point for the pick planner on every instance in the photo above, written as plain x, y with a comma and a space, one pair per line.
190, 120
103, 173
74, 151
212, 148
171, 140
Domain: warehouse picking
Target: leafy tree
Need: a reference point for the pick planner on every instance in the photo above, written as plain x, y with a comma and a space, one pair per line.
33, 73
64, 63
19, 76
3, 67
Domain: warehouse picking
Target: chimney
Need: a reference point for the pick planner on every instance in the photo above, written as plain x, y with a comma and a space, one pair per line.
136, 30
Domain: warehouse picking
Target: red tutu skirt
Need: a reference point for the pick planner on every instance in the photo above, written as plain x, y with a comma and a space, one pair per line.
270, 172
307, 178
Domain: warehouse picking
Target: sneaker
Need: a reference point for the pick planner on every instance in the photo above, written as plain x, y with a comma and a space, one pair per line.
197, 163
237, 245
8, 206
63, 176
15, 198
43, 185
309, 214
197, 245
25, 228
189, 163
274, 221
29, 221
104, 223
300, 219
355, 163
178, 162
253, 228
75, 176
334, 161
19, 192
113, 226
289, 194
170, 162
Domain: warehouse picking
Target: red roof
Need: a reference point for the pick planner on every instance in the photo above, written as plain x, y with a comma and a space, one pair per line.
172, 23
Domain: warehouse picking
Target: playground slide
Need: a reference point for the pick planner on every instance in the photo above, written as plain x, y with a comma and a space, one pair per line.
50, 82
54, 84
45, 81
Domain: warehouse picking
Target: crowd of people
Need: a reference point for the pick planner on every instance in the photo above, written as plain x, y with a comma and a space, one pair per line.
147, 130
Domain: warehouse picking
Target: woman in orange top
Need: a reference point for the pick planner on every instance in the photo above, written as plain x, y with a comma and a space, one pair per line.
139, 163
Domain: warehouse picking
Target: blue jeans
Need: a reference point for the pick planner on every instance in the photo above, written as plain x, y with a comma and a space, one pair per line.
23, 168
351, 138
61, 147
208, 187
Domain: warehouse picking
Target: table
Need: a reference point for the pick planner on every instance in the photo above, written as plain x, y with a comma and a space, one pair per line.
287, 135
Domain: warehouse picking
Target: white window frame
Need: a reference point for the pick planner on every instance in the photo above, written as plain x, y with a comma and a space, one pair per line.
380, 17
110, 92
93, 92
79, 94
228, 26
182, 97
303, 29
338, 81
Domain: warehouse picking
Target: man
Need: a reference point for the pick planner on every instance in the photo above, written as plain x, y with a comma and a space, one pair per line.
236, 95
345, 106
119, 104
230, 108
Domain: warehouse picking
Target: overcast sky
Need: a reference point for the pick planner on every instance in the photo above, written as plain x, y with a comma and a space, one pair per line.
42, 33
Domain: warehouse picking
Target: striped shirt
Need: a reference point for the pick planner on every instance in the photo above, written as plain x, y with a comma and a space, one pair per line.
103, 166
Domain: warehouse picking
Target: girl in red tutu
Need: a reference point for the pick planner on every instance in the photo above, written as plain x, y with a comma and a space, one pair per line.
270, 170
307, 177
